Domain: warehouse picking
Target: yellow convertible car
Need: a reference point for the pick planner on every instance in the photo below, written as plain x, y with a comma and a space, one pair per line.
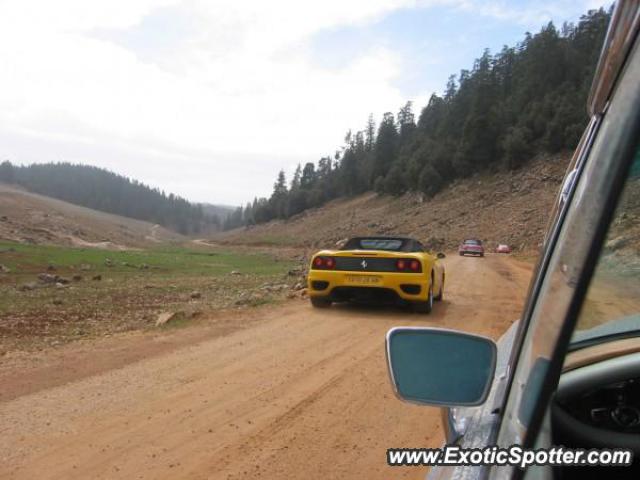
392, 269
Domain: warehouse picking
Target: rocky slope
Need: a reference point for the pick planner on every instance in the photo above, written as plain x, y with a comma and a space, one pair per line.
504, 207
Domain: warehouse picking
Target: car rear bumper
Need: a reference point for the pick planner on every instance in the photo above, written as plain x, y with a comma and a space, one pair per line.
345, 285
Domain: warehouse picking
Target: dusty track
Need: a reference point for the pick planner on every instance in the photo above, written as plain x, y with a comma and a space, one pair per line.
285, 392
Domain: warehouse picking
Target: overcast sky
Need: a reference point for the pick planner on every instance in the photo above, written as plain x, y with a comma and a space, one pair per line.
209, 99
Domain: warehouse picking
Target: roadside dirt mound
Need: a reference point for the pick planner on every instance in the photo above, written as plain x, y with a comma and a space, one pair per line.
506, 207
31, 218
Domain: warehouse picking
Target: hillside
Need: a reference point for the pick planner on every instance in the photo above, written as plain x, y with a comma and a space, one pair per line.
523, 102
31, 218
508, 207
220, 211
106, 191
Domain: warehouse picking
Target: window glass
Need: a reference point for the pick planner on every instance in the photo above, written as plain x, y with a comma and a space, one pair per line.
381, 244
548, 315
612, 305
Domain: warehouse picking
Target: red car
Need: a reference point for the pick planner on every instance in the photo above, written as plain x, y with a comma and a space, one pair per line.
502, 248
471, 246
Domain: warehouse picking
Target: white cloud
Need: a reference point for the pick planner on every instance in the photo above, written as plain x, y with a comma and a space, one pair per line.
530, 14
234, 94
240, 84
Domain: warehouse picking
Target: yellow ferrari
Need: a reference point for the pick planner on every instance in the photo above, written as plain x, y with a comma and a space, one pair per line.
391, 269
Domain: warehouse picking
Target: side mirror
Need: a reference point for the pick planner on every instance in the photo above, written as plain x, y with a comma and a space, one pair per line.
432, 366
440, 255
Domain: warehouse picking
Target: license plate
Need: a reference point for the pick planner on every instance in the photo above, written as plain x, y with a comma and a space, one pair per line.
364, 279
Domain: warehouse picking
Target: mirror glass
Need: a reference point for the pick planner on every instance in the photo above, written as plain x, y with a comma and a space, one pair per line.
440, 367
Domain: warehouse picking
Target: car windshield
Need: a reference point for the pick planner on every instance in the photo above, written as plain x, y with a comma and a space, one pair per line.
612, 307
387, 244
472, 242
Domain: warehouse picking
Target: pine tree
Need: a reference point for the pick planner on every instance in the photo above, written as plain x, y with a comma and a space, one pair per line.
308, 176
524, 100
295, 180
386, 146
7, 174
370, 133
278, 198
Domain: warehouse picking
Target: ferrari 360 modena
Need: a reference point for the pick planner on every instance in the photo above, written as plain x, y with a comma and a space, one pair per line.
375, 269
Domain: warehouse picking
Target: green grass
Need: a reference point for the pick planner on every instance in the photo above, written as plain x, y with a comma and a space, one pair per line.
29, 259
273, 241
127, 296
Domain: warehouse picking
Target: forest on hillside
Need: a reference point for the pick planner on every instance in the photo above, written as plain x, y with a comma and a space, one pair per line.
511, 106
106, 191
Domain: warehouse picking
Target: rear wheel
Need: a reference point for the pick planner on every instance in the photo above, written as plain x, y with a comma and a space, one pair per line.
320, 302
438, 298
425, 307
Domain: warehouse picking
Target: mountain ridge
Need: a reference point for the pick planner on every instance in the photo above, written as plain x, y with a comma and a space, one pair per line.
27, 217
502, 207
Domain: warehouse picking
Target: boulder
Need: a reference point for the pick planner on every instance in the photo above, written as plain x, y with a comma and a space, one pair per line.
295, 272
52, 279
28, 286
47, 278
166, 317
616, 243
340, 243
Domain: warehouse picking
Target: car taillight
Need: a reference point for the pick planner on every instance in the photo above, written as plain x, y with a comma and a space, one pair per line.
408, 265
324, 263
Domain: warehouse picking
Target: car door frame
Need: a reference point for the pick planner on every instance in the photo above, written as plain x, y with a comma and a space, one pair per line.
619, 174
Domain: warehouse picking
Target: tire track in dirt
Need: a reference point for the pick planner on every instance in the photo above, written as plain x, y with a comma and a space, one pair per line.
296, 393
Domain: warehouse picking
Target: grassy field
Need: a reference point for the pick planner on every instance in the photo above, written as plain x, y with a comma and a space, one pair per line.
28, 259
103, 292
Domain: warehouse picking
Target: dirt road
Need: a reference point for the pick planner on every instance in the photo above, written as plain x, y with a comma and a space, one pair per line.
275, 392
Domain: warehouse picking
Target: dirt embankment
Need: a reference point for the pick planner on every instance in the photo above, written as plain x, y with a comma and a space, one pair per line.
505, 207
276, 392
31, 218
